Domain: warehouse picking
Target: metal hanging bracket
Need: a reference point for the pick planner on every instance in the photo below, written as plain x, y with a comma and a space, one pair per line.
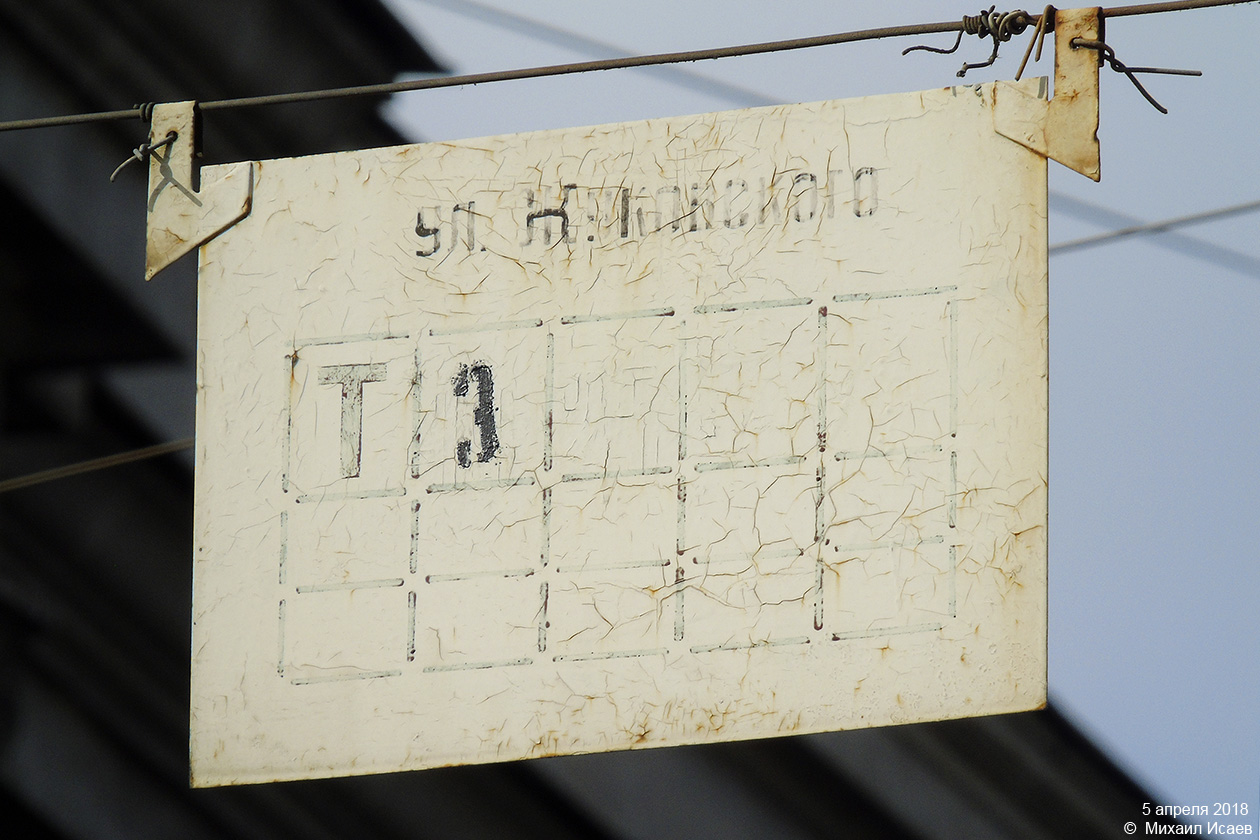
181, 216
1064, 128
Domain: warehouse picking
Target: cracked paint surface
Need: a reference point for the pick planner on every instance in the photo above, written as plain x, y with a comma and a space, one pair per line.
685, 430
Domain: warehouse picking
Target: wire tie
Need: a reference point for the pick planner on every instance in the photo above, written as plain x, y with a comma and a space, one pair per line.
1000, 26
1109, 55
141, 153
1045, 24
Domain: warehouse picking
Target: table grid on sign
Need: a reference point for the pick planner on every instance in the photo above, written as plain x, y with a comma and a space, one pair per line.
906, 581
623, 485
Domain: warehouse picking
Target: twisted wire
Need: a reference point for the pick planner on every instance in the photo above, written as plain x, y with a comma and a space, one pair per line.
1002, 25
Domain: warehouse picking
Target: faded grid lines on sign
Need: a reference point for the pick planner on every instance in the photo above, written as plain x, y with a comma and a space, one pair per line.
518, 463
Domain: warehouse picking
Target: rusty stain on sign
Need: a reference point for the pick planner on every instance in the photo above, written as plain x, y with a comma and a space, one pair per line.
658, 433
181, 213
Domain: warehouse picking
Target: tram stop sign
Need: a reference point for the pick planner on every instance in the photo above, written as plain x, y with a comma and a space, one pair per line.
667, 432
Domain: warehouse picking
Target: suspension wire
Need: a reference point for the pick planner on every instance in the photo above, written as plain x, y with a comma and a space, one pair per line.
143, 111
588, 66
1152, 8
746, 97
1153, 227
519, 24
95, 464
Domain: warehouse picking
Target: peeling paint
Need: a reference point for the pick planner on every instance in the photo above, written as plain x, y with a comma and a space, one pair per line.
619, 437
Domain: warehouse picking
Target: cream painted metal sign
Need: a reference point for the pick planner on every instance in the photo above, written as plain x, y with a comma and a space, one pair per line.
685, 430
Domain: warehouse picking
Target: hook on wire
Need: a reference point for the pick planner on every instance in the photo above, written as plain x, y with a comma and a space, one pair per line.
141, 153
1109, 55
1000, 26
1045, 25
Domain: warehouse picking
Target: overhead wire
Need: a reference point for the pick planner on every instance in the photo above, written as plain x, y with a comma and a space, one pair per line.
1175, 241
95, 464
746, 97
1153, 227
519, 24
624, 61
140, 111
508, 75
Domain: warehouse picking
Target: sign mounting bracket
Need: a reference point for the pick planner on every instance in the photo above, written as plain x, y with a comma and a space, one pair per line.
183, 214
1064, 128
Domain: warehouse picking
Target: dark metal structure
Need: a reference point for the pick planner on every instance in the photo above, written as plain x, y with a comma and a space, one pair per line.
95, 570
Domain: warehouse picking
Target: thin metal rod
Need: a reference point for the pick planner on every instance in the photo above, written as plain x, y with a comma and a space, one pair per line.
1180, 6
588, 66
567, 39
70, 119
95, 464
1153, 227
